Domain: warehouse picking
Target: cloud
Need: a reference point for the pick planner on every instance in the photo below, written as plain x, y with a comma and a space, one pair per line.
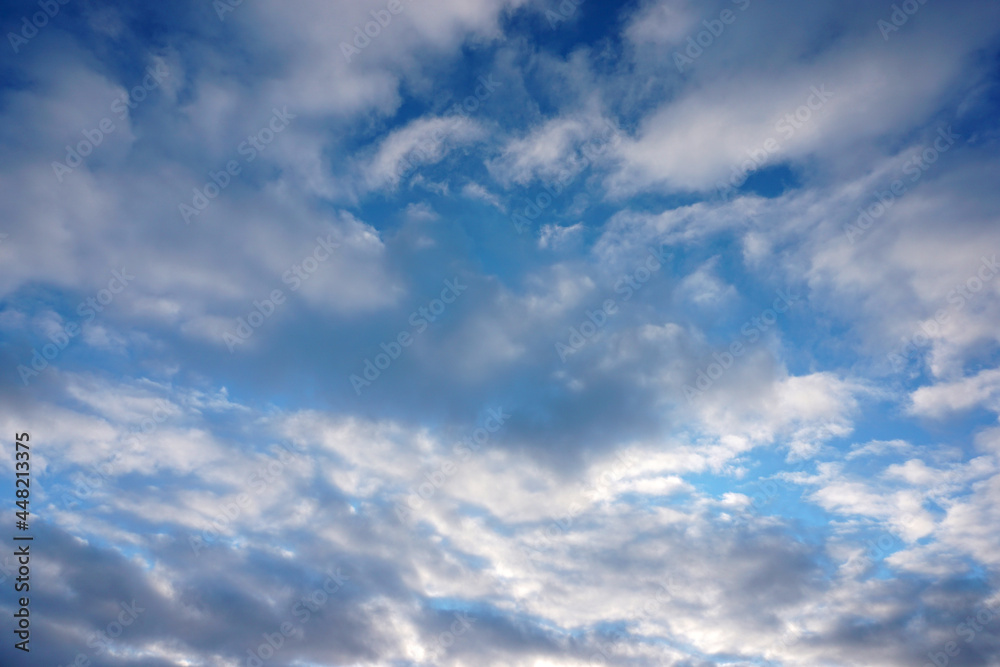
727, 401
423, 142
944, 398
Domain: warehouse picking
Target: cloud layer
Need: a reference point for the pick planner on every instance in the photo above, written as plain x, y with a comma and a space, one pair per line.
504, 332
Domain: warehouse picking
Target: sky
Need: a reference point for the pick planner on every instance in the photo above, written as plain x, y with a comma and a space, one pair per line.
526, 333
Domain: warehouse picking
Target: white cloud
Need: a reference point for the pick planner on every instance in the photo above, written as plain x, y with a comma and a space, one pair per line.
555, 152
424, 141
477, 191
942, 399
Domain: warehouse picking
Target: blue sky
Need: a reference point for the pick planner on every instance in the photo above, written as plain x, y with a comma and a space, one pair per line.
503, 332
